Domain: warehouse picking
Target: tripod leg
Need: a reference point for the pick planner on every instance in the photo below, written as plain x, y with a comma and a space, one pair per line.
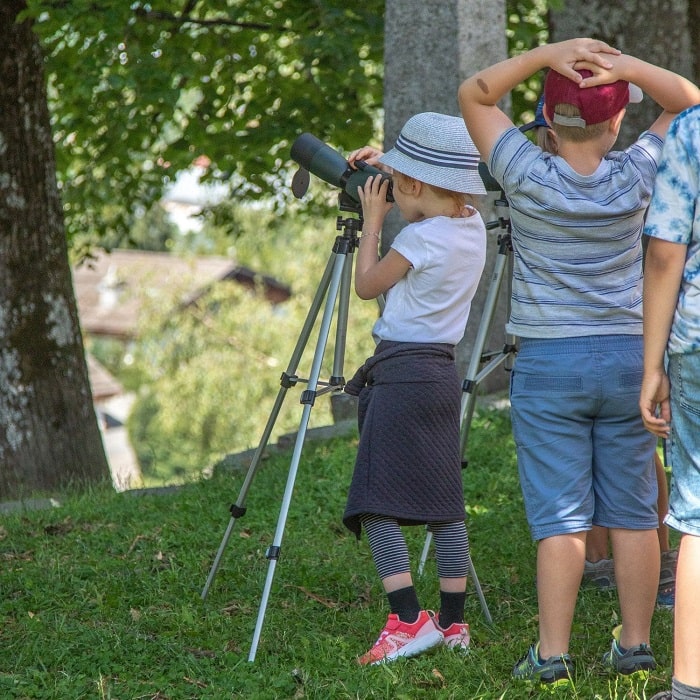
288, 379
470, 383
480, 593
470, 386
472, 573
425, 552
340, 271
343, 313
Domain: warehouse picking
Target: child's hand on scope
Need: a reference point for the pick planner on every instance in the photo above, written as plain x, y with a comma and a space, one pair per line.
373, 200
369, 155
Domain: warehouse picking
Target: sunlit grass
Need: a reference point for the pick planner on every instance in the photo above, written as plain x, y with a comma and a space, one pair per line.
100, 598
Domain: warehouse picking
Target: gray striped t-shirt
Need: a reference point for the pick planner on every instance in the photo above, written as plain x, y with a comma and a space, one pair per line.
577, 252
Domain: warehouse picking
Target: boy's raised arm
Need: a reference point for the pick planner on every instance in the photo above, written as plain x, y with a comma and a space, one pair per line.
671, 91
479, 95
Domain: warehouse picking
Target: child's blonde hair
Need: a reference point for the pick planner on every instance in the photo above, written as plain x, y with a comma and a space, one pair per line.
460, 199
576, 134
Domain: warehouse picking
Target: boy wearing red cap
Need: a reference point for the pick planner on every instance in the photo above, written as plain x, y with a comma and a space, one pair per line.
584, 457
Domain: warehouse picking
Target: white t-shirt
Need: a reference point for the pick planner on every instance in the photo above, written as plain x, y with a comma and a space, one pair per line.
431, 303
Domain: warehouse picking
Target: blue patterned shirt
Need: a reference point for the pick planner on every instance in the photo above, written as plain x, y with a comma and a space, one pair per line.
577, 253
674, 215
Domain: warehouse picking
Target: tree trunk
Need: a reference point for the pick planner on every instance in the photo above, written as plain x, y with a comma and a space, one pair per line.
49, 436
429, 48
663, 32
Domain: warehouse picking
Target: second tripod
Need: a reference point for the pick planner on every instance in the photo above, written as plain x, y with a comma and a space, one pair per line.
483, 362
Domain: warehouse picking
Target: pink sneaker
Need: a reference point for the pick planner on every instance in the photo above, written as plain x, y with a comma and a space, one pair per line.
403, 639
456, 636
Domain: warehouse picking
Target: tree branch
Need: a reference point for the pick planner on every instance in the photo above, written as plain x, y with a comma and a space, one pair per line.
183, 20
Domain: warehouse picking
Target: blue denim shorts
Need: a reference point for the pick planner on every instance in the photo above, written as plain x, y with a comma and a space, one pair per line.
584, 456
683, 448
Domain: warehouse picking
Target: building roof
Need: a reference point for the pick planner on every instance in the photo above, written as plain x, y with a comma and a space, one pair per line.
112, 287
103, 384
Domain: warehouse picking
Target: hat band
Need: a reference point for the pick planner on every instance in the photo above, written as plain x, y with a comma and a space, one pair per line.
569, 121
431, 156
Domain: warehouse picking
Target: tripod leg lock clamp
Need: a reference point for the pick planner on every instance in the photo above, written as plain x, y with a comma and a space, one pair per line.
308, 396
273, 552
468, 385
288, 380
237, 511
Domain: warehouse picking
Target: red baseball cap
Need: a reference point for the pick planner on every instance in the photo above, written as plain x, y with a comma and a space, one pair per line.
595, 104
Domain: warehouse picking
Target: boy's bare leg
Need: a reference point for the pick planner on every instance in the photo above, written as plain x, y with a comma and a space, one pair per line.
686, 643
637, 563
560, 562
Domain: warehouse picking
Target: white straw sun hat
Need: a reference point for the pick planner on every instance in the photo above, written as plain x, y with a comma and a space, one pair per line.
437, 149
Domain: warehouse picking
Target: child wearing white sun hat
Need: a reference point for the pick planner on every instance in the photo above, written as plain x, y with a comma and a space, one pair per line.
408, 466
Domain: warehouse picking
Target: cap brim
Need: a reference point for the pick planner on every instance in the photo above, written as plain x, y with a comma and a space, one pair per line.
636, 94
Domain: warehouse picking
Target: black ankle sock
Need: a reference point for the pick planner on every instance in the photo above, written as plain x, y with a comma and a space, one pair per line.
451, 608
404, 603
681, 691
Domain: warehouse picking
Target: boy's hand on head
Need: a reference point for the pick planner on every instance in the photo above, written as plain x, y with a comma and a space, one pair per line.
602, 75
568, 56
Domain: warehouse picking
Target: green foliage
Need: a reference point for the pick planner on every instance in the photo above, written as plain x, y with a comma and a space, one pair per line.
139, 90
528, 27
210, 373
101, 597
153, 230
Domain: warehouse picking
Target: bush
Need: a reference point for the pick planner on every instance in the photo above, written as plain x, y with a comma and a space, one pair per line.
212, 371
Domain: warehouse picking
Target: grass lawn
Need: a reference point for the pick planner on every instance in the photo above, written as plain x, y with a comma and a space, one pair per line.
100, 598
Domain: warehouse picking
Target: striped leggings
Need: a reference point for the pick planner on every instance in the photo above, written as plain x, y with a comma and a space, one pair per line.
390, 553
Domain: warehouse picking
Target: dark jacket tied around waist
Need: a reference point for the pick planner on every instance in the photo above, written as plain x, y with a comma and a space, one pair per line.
408, 464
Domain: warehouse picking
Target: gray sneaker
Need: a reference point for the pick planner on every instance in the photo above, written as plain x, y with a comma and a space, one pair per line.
553, 672
637, 660
600, 574
667, 575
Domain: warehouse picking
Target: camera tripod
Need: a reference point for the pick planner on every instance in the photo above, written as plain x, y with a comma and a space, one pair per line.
483, 362
334, 287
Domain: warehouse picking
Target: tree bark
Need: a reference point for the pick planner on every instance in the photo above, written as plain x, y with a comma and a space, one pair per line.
49, 436
429, 48
663, 32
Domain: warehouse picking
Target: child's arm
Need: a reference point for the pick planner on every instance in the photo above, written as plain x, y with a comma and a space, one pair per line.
480, 94
374, 276
663, 270
672, 92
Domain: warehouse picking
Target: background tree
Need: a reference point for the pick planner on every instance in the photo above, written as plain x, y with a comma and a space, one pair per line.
664, 32
159, 84
49, 437
429, 49
135, 95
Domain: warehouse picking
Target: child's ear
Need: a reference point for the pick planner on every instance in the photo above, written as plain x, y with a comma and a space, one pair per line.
616, 121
